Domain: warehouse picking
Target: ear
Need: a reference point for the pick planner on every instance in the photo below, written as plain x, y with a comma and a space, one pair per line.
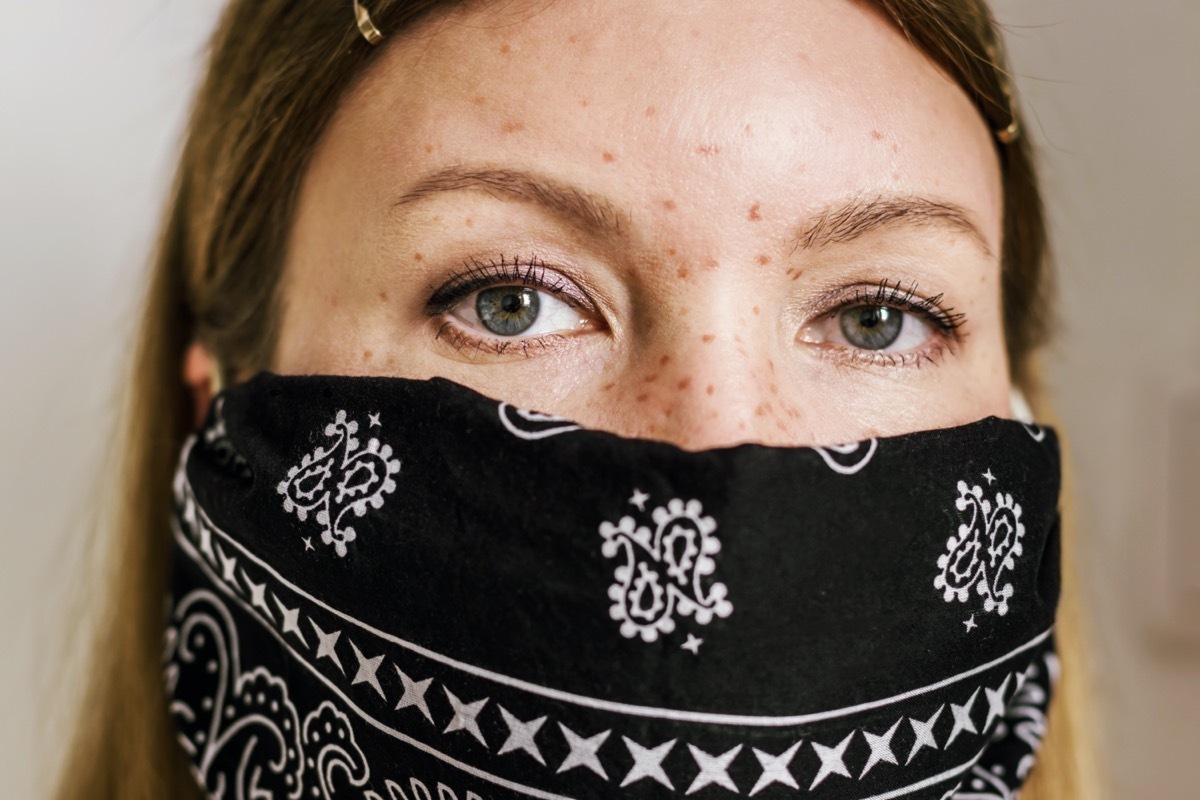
201, 377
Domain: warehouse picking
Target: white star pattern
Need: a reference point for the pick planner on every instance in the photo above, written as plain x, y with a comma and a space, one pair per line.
374, 421
228, 568
647, 762
924, 732
464, 716
258, 595
775, 768
989, 476
832, 762
970, 624
995, 701
326, 643
713, 769
692, 645
639, 499
291, 620
414, 694
881, 748
583, 751
308, 545
368, 669
962, 718
520, 735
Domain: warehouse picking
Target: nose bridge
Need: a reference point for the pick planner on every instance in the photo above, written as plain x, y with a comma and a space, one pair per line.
717, 380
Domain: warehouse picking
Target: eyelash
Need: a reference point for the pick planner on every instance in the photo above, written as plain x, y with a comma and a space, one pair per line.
476, 275
945, 320
532, 272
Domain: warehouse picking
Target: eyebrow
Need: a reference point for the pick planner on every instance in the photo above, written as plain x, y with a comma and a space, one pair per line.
590, 211
848, 220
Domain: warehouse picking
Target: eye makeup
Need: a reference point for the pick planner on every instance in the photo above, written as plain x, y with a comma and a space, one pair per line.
894, 302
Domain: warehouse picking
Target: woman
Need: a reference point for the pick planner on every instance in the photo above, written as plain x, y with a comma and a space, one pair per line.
784, 224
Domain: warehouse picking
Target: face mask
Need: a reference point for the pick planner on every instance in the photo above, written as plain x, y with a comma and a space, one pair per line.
392, 589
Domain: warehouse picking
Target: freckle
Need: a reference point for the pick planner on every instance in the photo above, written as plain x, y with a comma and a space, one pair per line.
707, 338
572, 38
876, 135
741, 426
367, 355
418, 257
668, 412
708, 150
670, 251
895, 147
754, 215
796, 277
682, 272
756, 311
683, 384
709, 389
759, 411
649, 111
383, 296
669, 205
779, 424
504, 48
478, 100
764, 259
641, 398
607, 387
746, 130
428, 148
583, 102
683, 312
512, 127
711, 263
774, 388
470, 223
896, 176
771, 366
736, 337
609, 158
664, 360
651, 378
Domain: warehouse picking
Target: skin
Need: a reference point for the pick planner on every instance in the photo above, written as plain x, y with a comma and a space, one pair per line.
716, 137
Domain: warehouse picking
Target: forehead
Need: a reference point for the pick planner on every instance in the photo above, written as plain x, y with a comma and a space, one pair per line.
798, 101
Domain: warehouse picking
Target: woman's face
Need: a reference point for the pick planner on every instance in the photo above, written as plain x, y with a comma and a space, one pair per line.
772, 222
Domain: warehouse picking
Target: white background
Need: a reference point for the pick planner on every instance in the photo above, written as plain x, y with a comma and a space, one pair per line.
92, 97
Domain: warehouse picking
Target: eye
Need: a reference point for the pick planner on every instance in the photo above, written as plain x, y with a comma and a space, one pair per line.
876, 327
510, 311
888, 325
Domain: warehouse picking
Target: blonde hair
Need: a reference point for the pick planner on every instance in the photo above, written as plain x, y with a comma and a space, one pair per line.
276, 72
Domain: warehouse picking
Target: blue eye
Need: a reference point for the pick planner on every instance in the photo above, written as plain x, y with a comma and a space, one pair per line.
507, 310
871, 327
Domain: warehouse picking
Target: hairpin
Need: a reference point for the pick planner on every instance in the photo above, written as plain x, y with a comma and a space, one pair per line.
995, 55
365, 26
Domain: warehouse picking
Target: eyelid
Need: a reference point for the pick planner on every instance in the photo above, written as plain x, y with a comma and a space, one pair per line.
893, 295
531, 272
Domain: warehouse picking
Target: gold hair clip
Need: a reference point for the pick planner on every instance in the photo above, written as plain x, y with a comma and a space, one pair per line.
365, 26
1011, 133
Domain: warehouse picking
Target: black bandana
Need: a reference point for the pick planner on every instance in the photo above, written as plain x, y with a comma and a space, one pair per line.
393, 589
